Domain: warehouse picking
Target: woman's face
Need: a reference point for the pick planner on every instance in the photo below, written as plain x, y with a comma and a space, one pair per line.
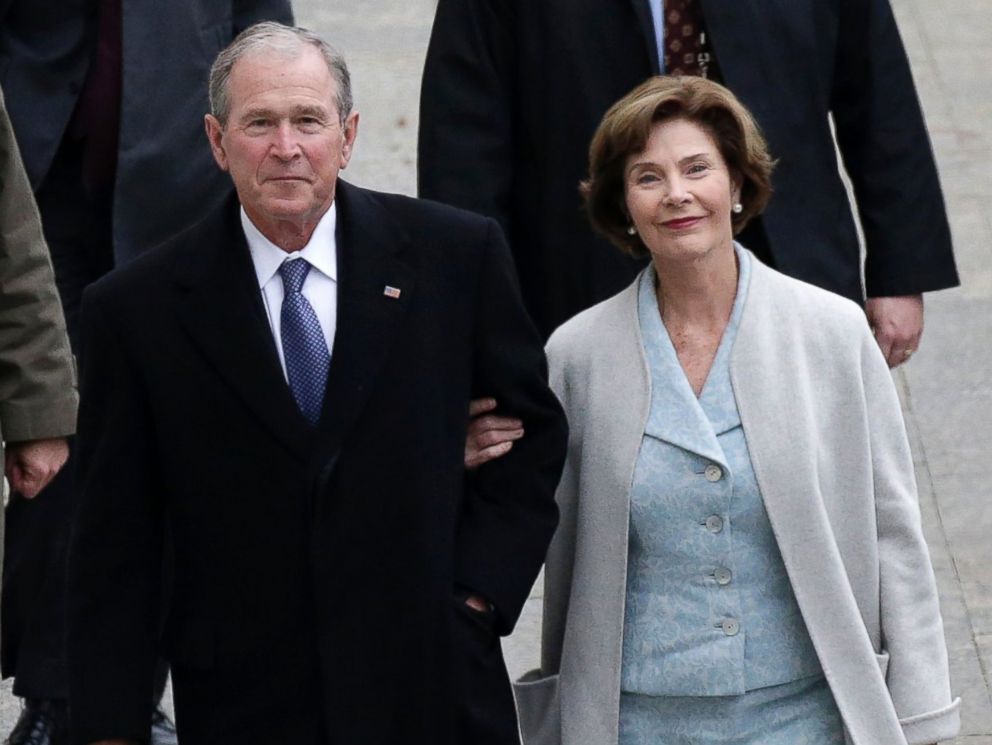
679, 193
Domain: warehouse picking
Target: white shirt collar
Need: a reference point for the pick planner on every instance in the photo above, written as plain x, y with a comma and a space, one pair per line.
321, 251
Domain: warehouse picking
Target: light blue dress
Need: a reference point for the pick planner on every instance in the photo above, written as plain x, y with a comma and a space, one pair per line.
715, 651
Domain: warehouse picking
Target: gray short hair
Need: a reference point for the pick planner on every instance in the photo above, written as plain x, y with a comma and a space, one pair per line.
288, 40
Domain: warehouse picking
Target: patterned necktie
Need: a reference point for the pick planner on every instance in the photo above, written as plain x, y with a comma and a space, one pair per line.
303, 344
686, 50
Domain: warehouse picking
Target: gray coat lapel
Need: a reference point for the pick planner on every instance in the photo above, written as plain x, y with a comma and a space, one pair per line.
607, 451
772, 413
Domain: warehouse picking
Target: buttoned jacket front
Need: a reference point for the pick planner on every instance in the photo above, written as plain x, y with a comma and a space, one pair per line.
824, 429
709, 610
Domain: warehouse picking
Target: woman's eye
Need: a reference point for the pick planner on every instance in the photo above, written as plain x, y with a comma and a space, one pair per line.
696, 168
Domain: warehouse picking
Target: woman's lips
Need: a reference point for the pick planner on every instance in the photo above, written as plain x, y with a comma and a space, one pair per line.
681, 223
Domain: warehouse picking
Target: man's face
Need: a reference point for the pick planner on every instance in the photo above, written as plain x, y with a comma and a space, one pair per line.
283, 143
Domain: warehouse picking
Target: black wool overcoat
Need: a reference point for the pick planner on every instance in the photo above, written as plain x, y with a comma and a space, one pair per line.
317, 573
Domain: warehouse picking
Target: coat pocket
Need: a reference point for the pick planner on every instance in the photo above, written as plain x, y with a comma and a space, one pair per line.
538, 708
483, 701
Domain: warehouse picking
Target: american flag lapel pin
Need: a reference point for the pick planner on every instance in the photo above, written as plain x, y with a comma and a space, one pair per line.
393, 292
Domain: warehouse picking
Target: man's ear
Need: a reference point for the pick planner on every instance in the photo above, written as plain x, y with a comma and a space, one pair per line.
215, 134
350, 135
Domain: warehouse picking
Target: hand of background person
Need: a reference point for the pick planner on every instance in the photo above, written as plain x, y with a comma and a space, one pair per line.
30, 465
489, 436
898, 325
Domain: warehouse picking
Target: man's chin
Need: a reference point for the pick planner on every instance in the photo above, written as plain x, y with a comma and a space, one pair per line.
297, 211
287, 208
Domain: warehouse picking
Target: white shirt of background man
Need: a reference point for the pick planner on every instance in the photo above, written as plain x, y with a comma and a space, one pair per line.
658, 18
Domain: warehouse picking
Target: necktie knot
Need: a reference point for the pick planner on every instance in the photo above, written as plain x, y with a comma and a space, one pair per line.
294, 273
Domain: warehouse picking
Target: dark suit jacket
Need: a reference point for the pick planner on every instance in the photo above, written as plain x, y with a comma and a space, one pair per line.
514, 89
315, 571
45, 51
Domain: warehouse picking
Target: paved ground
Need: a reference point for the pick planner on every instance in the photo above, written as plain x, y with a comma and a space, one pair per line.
946, 389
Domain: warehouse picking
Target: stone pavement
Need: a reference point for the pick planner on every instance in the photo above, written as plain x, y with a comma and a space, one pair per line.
946, 390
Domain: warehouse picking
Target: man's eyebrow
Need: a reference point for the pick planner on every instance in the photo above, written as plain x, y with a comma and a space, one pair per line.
261, 112
256, 112
311, 110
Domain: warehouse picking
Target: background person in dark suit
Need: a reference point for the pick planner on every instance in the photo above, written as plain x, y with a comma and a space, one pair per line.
513, 90
337, 577
106, 98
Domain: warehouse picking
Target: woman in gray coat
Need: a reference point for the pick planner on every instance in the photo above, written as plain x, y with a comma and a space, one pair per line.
739, 558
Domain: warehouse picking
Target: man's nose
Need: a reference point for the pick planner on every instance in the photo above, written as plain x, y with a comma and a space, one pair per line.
285, 143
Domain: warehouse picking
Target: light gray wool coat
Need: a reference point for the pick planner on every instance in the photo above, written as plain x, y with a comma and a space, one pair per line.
828, 445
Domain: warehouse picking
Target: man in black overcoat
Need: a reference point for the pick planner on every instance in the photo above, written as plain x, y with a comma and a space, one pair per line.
298, 449
514, 89
106, 98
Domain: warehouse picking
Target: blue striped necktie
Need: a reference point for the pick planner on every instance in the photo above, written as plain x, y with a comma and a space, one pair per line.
303, 344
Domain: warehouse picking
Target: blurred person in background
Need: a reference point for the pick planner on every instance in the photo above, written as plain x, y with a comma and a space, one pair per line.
106, 98
513, 90
37, 380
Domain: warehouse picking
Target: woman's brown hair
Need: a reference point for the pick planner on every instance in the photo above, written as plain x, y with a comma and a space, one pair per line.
626, 127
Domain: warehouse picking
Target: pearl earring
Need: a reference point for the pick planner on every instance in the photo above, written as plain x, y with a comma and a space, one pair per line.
631, 230
738, 208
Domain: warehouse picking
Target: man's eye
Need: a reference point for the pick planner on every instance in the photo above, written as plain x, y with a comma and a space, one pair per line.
257, 125
309, 124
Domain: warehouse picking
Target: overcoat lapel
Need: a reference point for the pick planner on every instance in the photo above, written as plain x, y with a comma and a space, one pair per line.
221, 309
375, 288
777, 431
643, 10
620, 413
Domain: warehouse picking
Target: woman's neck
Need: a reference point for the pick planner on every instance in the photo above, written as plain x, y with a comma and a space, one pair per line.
697, 293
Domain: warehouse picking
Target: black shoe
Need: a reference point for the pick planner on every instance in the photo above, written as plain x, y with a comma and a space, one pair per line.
163, 730
42, 722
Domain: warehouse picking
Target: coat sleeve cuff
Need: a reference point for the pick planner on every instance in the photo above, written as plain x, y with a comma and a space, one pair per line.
933, 726
54, 418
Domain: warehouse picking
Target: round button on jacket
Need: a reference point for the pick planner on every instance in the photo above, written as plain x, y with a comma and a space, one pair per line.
713, 472
722, 575
731, 626
714, 523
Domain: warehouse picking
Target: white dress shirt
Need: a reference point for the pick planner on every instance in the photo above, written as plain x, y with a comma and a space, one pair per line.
658, 19
320, 287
